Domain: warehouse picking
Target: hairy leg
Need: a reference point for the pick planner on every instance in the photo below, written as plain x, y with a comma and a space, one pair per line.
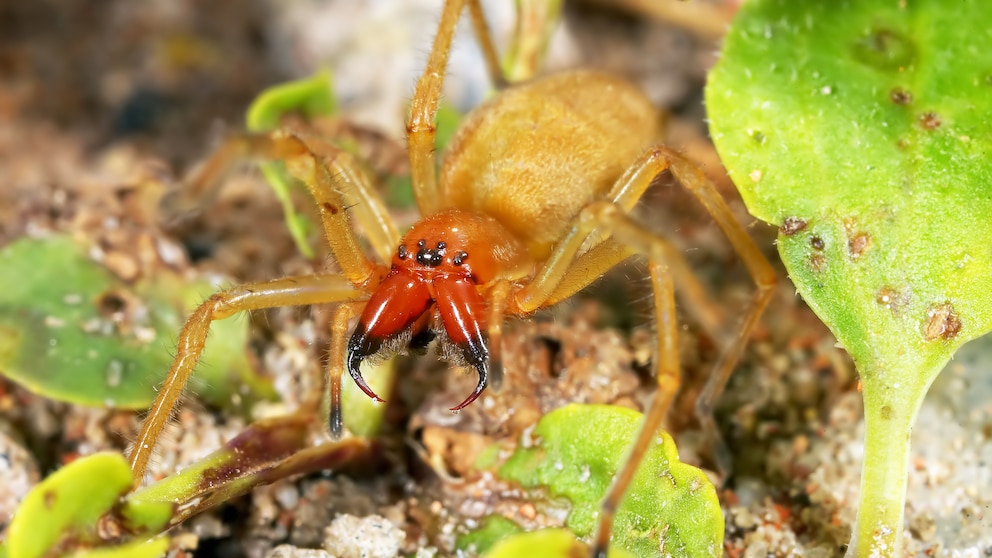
361, 200
570, 269
336, 366
566, 271
497, 299
485, 39
535, 24
328, 173
421, 127
290, 291
660, 254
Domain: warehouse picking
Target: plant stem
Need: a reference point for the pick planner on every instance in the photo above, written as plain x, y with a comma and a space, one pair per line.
889, 417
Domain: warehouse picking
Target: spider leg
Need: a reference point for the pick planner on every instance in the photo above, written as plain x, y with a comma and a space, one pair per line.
336, 366
485, 39
660, 255
327, 172
497, 300
535, 24
289, 291
761, 271
346, 177
326, 175
693, 180
570, 269
592, 264
420, 128
331, 175
566, 271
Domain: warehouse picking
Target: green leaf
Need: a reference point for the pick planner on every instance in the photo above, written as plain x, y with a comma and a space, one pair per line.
361, 414
311, 97
670, 508
547, 543
493, 529
59, 337
862, 129
448, 120
63, 511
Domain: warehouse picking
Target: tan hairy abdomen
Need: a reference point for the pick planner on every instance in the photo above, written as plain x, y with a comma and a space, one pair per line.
587, 128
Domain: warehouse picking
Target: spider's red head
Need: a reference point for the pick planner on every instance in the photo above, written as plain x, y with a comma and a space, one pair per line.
433, 284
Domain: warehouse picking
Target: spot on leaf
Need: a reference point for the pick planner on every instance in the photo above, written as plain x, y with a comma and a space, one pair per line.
941, 322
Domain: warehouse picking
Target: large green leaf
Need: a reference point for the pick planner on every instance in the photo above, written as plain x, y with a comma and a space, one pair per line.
59, 336
864, 131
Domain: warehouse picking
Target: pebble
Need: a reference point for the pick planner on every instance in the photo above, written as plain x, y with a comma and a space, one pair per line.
372, 536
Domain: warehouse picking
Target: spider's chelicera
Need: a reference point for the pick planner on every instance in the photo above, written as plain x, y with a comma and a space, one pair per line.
432, 285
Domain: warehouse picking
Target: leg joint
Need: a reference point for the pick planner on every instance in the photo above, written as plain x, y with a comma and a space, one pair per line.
659, 158
219, 306
600, 212
417, 126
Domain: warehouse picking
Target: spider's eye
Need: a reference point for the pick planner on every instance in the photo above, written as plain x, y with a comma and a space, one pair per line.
430, 258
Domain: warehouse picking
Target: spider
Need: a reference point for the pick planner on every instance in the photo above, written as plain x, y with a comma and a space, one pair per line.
529, 205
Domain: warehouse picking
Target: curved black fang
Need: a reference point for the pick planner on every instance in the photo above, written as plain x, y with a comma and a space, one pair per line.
360, 346
430, 258
477, 355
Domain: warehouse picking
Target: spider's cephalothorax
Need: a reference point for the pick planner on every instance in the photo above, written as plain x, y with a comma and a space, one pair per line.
437, 273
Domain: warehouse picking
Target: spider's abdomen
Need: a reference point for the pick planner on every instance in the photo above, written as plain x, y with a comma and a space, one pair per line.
535, 154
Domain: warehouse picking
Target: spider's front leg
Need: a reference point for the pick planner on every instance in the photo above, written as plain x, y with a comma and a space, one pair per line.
340, 189
421, 129
289, 291
334, 180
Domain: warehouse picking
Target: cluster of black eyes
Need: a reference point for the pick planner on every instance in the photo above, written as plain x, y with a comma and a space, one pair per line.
431, 258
